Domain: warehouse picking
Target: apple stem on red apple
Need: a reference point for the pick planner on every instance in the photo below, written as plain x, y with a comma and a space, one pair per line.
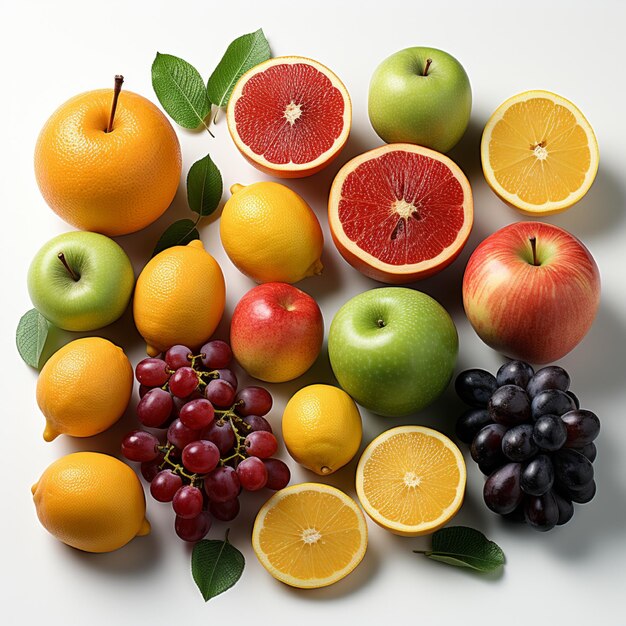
119, 80
70, 271
533, 245
428, 62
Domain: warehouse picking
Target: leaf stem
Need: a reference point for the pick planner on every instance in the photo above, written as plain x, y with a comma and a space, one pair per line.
208, 130
70, 271
119, 80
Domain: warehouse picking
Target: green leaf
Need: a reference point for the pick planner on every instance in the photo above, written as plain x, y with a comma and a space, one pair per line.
216, 566
180, 233
204, 186
180, 90
465, 547
30, 337
241, 55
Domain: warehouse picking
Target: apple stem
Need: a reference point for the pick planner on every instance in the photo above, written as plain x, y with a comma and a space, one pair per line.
428, 62
70, 271
533, 245
119, 79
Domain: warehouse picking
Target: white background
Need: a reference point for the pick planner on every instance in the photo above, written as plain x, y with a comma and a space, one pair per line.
53, 50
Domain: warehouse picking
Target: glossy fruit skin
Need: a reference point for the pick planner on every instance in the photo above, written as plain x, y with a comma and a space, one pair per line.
111, 183
532, 313
486, 448
470, 423
179, 298
406, 106
475, 387
271, 234
549, 433
84, 388
551, 402
514, 373
509, 405
401, 366
91, 501
276, 332
582, 428
573, 469
518, 444
537, 476
101, 293
549, 377
541, 512
502, 492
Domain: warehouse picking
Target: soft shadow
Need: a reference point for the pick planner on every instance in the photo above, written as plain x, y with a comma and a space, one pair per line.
466, 154
329, 282
600, 211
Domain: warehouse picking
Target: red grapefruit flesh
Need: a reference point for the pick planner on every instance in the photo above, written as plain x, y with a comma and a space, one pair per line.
289, 116
400, 212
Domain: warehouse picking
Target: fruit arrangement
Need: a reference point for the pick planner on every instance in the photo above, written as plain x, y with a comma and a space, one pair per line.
217, 442
397, 213
532, 440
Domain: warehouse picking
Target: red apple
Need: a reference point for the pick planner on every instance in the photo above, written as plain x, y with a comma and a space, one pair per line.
276, 332
531, 291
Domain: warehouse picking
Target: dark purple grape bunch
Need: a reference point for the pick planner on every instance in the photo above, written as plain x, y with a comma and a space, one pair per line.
532, 440
217, 442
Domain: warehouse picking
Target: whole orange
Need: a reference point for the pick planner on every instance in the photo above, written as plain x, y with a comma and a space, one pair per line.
114, 182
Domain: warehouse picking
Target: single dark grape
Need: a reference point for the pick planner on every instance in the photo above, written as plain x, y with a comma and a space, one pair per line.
216, 354
582, 427
486, 449
252, 473
197, 414
187, 502
551, 402
573, 470
261, 443
253, 401
583, 495
200, 457
518, 444
514, 373
590, 451
152, 372
574, 397
225, 511
565, 506
509, 405
193, 529
278, 474
222, 484
220, 393
542, 512
178, 356
221, 434
151, 468
183, 382
549, 433
154, 408
470, 422
256, 422
502, 493
141, 446
551, 377
475, 387
181, 435
537, 476
164, 485
228, 376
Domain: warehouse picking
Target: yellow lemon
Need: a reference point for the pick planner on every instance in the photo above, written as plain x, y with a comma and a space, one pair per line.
539, 153
84, 388
179, 298
91, 501
271, 234
309, 535
322, 428
411, 480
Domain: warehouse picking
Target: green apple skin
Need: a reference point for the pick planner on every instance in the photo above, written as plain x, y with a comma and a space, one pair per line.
393, 349
407, 107
102, 291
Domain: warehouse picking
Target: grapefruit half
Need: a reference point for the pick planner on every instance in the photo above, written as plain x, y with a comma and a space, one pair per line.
400, 212
289, 116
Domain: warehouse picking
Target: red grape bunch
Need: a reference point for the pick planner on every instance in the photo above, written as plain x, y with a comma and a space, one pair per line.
529, 435
217, 443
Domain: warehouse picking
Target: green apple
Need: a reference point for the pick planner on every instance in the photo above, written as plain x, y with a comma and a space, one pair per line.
81, 281
421, 96
393, 349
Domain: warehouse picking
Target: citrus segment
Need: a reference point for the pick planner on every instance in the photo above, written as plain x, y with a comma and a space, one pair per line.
400, 212
539, 153
289, 116
411, 480
310, 535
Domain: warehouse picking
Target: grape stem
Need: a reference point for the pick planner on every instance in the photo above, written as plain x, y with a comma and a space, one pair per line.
236, 424
194, 479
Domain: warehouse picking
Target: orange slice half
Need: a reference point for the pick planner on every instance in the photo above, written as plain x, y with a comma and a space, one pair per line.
309, 535
411, 480
539, 153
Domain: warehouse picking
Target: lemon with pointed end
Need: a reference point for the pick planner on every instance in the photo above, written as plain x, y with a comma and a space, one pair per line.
271, 234
84, 388
179, 298
322, 428
91, 501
